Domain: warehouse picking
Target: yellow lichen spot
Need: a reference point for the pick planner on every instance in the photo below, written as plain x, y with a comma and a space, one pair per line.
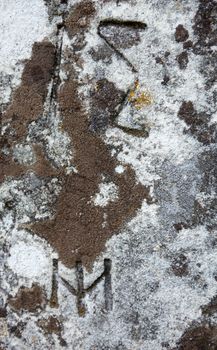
138, 98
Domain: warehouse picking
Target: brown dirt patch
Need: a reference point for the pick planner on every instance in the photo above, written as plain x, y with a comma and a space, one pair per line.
78, 230
105, 100
28, 299
198, 123
188, 44
27, 105
78, 21
211, 308
3, 312
204, 26
51, 325
181, 34
182, 59
29, 98
202, 337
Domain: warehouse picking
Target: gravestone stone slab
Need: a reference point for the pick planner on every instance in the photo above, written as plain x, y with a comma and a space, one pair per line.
108, 175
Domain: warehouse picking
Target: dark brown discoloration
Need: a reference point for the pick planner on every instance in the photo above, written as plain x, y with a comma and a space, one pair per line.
211, 308
180, 266
27, 105
105, 100
29, 98
166, 80
9, 168
179, 226
159, 60
188, 45
3, 312
198, 123
50, 325
28, 299
77, 219
205, 26
206, 34
182, 59
181, 34
79, 230
188, 113
201, 337
78, 21
18, 329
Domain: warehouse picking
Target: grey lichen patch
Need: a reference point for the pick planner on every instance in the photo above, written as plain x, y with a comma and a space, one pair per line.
121, 34
205, 205
102, 53
29, 196
108, 192
24, 154
180, 265
48, 132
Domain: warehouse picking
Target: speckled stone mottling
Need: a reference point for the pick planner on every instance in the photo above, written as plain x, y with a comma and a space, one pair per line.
108, 179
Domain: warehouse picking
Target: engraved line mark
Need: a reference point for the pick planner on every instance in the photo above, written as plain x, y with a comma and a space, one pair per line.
51, 99
80, 292
80, 289
118, 23
108, 285
54, 291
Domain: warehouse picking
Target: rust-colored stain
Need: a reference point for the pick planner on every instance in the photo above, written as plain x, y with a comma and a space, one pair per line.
28, 299
79, 230
138, 98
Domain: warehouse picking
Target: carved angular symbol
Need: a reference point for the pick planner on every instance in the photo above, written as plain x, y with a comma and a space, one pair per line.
121, 35
81, 291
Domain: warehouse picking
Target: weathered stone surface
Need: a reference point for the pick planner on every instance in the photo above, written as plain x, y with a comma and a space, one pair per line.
108, 176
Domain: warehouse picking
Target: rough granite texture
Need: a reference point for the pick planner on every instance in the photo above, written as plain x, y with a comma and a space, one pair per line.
108, 175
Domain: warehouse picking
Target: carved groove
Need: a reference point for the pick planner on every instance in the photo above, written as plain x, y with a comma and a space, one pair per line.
123, 24
80, 292
54, 291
